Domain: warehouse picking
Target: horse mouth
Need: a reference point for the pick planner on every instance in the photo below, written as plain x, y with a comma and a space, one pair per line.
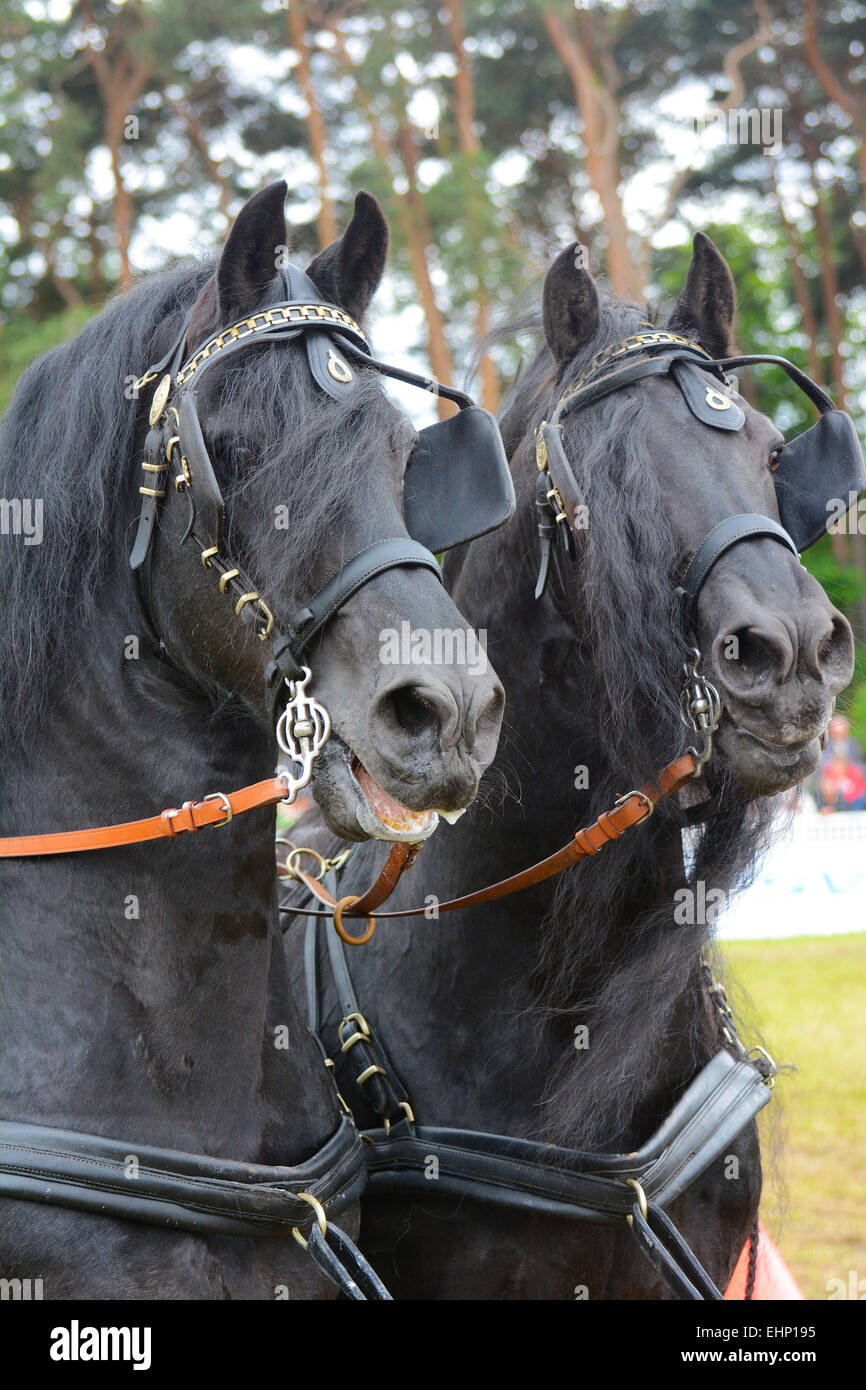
768, 766
357, 807
379, 811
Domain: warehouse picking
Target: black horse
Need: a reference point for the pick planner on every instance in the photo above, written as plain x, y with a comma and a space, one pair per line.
143, 991
578, 1011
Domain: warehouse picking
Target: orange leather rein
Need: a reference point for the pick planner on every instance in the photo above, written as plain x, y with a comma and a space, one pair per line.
214, 810
219, 809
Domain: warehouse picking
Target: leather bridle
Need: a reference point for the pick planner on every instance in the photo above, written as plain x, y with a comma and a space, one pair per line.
176, 439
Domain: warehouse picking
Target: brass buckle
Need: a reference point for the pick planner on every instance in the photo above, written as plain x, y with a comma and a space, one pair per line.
770, 1078
361, 1033
220, 796
650, 805
408, 1112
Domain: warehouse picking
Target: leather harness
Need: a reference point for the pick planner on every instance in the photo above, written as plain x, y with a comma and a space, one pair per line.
611, 1189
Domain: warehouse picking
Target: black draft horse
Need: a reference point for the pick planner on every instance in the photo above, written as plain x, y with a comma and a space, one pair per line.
577, 1011
143, 991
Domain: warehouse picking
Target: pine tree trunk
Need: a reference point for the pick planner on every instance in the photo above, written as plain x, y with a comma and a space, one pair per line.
412, 215
470, 147
326, 220
598, 112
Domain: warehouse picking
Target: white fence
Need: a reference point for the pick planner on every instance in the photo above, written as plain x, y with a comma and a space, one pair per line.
813, 882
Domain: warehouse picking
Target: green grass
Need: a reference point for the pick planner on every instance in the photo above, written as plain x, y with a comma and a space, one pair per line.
807, 996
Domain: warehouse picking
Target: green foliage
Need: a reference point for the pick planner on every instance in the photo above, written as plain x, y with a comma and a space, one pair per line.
24, 340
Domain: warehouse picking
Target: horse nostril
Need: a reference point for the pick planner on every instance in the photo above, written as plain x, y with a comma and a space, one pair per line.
752, 658
829, 653
414, 710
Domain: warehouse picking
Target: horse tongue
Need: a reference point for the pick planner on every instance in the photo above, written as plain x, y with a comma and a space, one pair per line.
390, 812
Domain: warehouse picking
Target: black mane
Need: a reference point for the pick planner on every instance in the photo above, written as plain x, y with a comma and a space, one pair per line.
69, 437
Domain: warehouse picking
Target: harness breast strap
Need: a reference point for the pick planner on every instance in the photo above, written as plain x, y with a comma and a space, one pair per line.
188, 1192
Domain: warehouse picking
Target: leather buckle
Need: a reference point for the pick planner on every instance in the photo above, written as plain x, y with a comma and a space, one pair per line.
648, 803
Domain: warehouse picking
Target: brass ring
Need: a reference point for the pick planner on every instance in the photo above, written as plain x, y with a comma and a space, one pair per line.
320, 1216
341, 930
641, 1198
207, 554
313, 853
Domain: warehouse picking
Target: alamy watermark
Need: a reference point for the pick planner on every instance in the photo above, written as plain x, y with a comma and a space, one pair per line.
22, 516
440, 646
757, 125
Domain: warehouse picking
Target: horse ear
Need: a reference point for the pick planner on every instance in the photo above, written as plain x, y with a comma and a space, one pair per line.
349, 270
707, 306
247, 265
250, 256
570, 304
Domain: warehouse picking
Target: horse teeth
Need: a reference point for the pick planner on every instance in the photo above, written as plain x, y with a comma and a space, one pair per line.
451, 816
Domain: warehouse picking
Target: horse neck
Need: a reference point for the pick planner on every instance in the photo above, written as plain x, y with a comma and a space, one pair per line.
143, 989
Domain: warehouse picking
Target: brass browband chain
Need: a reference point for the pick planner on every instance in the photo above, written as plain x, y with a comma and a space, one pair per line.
658, 337
280, 316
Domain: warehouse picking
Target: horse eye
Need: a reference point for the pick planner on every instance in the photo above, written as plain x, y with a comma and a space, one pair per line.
774, 459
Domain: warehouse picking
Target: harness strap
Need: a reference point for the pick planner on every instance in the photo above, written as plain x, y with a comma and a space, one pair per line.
216, 809
382, 1087
670, 1256
575, 1184
724, 1097
187, 1192
341, 1261
579, 1185
198, 1193
630, 810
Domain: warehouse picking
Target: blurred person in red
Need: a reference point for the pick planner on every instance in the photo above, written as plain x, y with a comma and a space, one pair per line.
841, 783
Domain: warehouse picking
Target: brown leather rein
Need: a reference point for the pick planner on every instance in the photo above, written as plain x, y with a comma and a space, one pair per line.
630, 810
214, 810
220, 808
